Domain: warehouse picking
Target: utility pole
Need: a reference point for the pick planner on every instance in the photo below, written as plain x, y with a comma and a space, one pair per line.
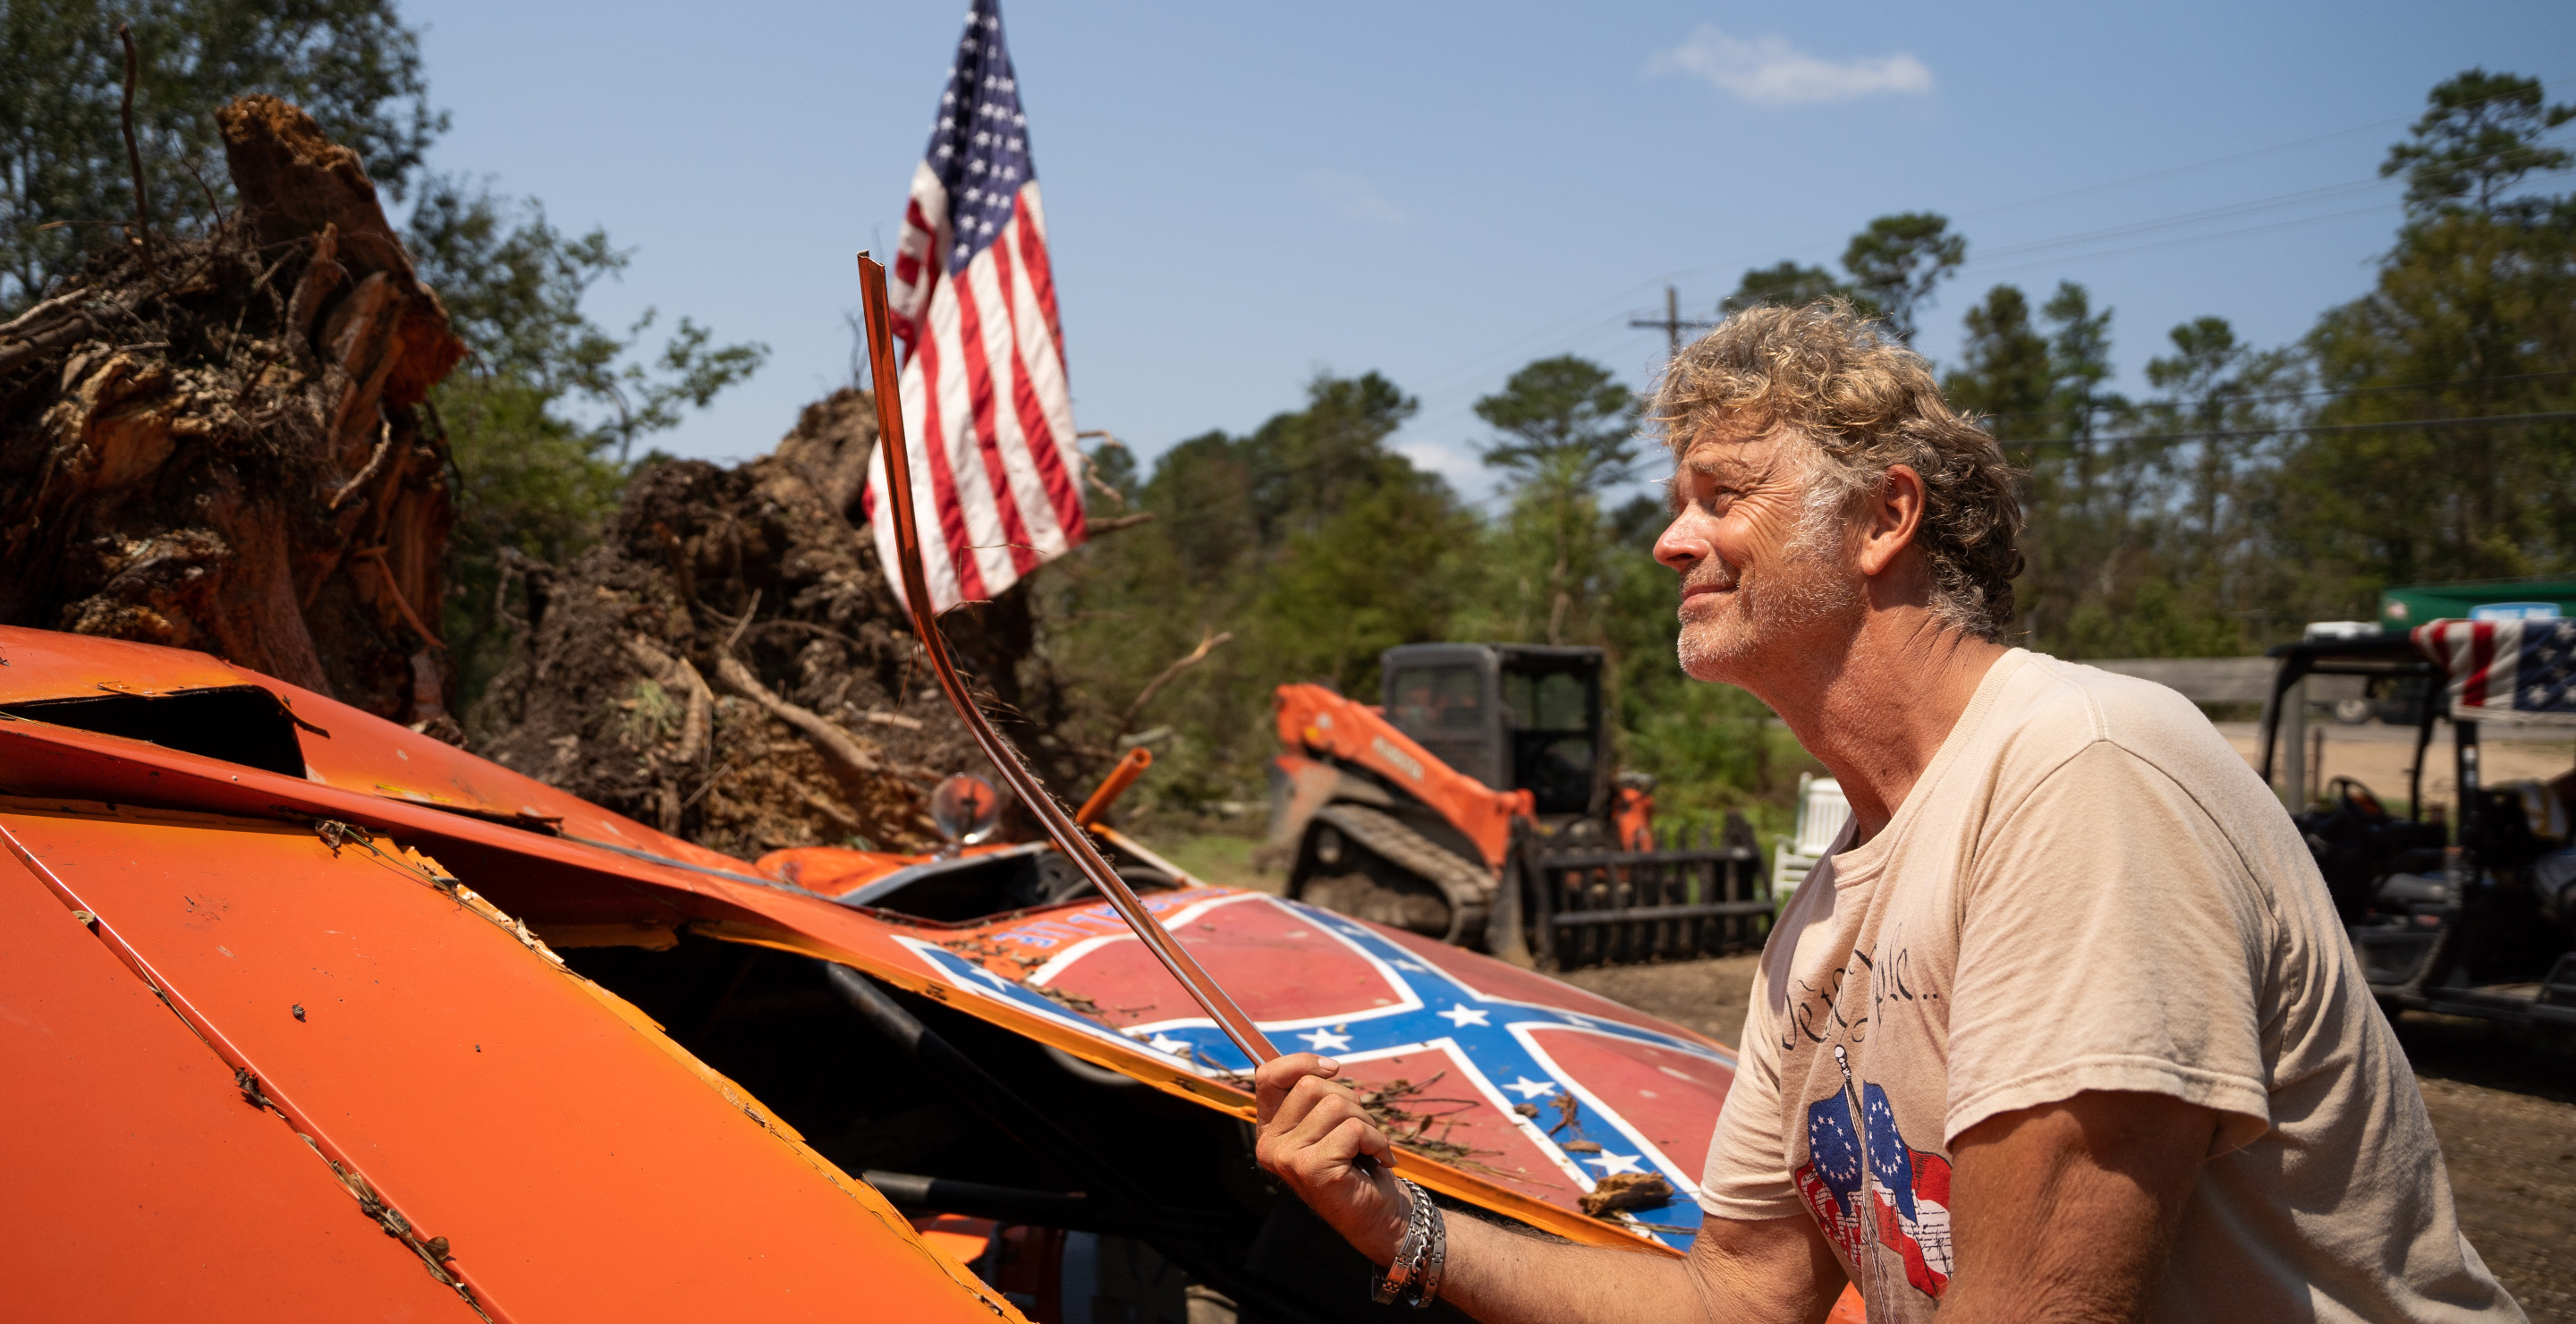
1671, 322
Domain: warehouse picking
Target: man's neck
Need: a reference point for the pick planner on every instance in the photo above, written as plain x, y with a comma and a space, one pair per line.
1875, 709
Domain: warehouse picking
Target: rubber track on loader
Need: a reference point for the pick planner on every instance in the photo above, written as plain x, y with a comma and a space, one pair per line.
1467, 885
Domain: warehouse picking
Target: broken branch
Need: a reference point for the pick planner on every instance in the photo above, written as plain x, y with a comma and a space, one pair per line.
1207, 644
828, 739
393, 586
375, 465
134, 158
677, 673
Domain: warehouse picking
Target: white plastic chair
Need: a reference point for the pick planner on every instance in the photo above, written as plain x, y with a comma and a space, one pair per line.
1822, 811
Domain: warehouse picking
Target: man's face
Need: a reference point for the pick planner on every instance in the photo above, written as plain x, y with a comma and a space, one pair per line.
1758, 568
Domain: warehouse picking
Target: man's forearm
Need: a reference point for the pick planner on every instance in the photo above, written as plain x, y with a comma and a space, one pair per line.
1504, 1277
1739, 1273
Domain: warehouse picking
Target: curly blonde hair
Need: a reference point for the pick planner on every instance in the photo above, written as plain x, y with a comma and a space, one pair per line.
1865, 402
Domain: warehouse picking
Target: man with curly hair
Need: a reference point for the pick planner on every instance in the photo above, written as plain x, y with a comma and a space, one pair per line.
2064, 1026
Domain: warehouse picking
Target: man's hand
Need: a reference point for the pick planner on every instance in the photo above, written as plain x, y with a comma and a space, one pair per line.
1313, 1133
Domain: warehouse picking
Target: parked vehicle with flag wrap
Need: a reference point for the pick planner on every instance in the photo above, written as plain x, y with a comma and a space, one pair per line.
2471, 913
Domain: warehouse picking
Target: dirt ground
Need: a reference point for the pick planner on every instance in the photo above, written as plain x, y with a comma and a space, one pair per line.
2503, 1101
2377, 755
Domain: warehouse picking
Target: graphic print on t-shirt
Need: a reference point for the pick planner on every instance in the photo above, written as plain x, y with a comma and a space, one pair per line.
1867, 1172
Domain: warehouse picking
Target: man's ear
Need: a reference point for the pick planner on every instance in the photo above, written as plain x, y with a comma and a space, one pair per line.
1893, 516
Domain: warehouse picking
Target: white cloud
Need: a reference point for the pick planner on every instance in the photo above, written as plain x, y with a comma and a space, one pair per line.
1356, 197
1768, 71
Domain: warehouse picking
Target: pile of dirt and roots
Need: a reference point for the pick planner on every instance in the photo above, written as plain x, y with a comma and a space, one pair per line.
225, 442
728, 663
221, 442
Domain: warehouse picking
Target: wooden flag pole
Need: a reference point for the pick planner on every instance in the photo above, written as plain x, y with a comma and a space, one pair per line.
1060, 827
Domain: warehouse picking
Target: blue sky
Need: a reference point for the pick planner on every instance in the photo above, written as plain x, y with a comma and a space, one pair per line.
1238, 197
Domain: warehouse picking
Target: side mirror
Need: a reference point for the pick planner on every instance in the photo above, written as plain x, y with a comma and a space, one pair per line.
966, 809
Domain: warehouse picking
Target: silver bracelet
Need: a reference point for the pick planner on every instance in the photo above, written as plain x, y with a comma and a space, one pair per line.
1418, 1231
1435, 1257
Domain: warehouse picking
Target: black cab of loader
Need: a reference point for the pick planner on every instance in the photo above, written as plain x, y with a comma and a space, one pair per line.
1517, 717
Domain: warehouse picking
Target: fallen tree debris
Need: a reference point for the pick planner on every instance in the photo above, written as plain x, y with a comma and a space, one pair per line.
728, 664
1627, 1190
220, 442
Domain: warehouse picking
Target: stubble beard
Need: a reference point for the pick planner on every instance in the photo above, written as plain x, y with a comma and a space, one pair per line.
1763, 613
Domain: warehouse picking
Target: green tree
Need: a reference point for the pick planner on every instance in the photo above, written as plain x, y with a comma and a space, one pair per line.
2478, 139
1309, 539
2472, 314
1786, 285
1568, 429
1393, 567
1895, 263
543, 415
1898, 260
2217, 401
1309, 465
514, 287
2007, 375
64, 178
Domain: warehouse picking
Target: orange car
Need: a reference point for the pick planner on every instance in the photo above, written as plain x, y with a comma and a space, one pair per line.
315, 1016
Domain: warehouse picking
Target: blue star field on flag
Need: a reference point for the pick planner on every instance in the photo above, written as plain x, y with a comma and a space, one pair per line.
2513, 670
979, 146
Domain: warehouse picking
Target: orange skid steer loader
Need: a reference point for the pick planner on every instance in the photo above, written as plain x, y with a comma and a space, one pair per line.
1409, 814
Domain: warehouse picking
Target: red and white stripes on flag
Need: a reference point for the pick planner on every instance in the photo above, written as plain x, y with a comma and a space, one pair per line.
983, 384
2509, 670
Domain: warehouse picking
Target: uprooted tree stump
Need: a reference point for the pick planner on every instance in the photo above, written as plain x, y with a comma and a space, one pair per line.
230, 450
729, 665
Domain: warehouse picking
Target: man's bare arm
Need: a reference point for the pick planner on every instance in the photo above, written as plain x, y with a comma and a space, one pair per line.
2066, 1212
1776, 1271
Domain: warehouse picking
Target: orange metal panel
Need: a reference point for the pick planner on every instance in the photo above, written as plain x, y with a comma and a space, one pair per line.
343, 746
1315, 719
48, 664
139, 1183
580, 1165
585, 883
551, 882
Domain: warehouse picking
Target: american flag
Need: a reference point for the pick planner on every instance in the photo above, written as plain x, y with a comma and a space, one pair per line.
973, 299
2506, 670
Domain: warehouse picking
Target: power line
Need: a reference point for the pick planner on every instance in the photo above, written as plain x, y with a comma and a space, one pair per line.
2185, 239
1672, 323
2218, 213
2318, 194
2337, 392
2171, 171
1556, 335
2553, 416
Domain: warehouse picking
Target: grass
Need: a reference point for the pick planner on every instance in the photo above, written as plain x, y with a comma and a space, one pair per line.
1222, 858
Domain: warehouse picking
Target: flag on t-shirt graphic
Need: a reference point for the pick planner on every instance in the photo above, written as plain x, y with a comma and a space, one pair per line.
972, 295
1907, 1189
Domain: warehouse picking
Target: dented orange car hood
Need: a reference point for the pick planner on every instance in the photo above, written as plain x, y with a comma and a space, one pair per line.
445, 1062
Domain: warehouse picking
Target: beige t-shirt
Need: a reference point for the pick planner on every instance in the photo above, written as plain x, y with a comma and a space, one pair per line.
2088, 890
